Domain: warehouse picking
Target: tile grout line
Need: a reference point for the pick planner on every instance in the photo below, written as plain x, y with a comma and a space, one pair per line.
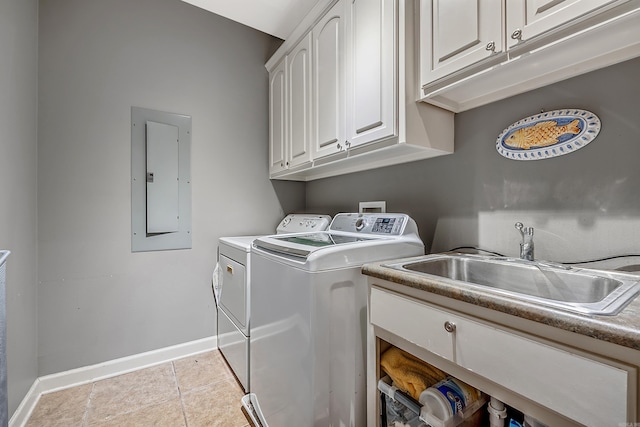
175, 376
85, 416
222, 375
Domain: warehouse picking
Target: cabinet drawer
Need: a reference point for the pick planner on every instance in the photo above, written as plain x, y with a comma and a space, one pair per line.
412, 321
580, 388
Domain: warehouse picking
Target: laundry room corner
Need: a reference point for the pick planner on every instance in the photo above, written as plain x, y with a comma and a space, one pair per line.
97, 300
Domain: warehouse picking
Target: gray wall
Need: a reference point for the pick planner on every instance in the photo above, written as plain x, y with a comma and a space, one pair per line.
583, 205
18, 174
97, 301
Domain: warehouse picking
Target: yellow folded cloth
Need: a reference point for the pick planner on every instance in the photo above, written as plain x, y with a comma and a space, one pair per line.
408, 372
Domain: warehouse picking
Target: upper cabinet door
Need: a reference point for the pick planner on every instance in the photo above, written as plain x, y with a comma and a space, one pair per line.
527, 19
299, 95
372, 81
277, 118
457, 33
329, 96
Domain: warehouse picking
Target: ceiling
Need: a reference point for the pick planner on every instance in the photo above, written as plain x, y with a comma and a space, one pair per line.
275, 17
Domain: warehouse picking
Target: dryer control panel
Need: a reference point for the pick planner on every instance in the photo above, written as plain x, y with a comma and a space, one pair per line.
295, 223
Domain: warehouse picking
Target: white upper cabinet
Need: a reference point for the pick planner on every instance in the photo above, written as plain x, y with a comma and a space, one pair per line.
527, 19
277, 118
462, 33
372, 81
299, 103
476, 52
329, 83
351, 75
290, 130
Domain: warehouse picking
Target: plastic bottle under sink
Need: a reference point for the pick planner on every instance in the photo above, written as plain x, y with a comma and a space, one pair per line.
446, 399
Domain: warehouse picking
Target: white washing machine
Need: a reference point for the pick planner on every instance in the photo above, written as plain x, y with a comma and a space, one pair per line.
233, 293
308, 318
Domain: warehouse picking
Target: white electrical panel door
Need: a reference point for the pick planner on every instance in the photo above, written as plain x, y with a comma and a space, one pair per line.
162, 178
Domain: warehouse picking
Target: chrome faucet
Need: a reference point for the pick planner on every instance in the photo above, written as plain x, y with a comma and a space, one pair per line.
526, 247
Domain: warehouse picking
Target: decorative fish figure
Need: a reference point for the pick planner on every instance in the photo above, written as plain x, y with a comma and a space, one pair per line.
542, 134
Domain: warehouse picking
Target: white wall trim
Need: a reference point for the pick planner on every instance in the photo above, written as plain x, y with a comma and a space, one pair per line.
100, 371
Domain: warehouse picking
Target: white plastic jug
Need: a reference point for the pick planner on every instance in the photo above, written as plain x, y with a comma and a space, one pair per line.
448, 397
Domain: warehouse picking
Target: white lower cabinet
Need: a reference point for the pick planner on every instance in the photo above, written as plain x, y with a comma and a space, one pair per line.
581, 387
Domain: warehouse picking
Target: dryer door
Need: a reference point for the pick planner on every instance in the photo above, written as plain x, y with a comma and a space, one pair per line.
233, 294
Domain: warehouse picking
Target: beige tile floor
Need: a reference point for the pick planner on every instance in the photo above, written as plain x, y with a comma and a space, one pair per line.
191, 392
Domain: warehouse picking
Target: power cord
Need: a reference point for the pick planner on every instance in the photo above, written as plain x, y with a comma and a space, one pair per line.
568, 263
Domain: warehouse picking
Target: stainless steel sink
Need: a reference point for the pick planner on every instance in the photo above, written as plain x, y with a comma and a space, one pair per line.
575, 289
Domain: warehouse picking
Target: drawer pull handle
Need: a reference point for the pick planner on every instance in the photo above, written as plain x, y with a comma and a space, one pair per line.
449, 326
229, 269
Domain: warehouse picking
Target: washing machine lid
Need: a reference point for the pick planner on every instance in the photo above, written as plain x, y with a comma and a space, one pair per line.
303, 244
351, 239
292, 223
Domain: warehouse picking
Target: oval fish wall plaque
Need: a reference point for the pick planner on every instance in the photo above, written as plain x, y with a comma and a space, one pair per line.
548, 134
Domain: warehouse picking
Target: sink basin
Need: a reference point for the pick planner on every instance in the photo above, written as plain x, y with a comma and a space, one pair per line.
579, 290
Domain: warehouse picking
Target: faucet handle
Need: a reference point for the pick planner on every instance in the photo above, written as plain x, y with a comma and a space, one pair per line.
519, 226
528, 231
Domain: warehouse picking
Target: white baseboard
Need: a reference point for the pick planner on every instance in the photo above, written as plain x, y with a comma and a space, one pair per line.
112, 368
20, 417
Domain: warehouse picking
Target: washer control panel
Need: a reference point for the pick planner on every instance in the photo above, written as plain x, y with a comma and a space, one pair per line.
295, 223
370, 223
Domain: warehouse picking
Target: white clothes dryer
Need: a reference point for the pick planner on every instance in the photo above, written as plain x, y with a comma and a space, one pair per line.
233, 293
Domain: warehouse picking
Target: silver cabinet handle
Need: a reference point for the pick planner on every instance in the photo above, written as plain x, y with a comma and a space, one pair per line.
517, 34
339, 147
449, 326
491, 46
347, 144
